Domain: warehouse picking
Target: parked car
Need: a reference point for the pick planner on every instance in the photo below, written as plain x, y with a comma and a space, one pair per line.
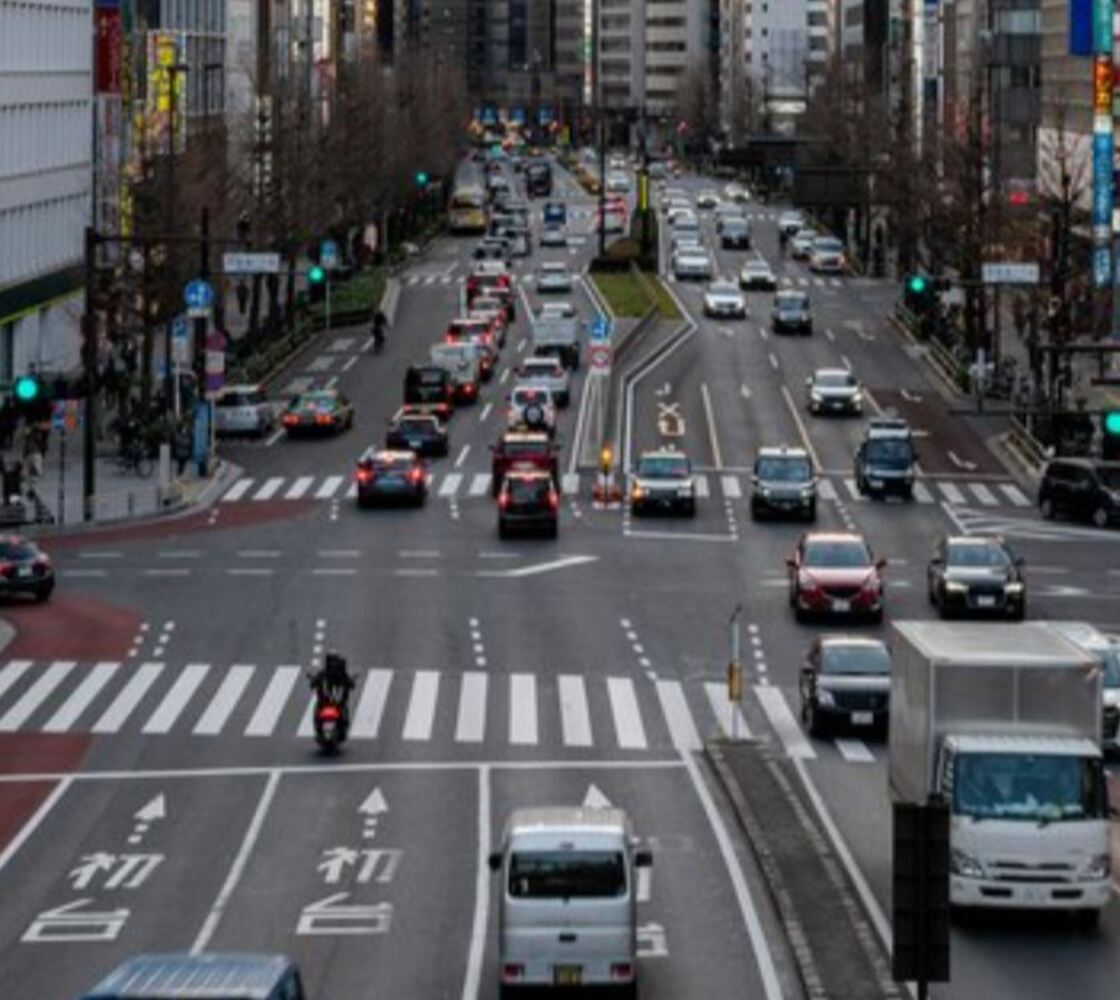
1081, 488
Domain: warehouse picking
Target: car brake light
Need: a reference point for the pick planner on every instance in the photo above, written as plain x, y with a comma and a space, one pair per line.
329, 713
416, 475
323, 418
503, 500
512, 971
290, 420
364, 475
553, 500
503, 281
622, 970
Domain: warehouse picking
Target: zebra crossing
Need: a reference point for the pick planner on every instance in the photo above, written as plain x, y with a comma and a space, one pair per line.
520, 709
455, 485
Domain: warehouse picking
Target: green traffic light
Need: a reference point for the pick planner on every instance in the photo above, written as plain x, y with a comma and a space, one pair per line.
316, 275
917, 284
421, 177
27, 388
1112, 422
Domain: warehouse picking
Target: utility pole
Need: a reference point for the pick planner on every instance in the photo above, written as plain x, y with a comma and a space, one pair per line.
600, 117
92, 380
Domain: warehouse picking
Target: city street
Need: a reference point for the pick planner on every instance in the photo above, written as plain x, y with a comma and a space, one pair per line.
160, 788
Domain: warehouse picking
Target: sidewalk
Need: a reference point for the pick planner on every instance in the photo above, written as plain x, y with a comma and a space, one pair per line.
119, 495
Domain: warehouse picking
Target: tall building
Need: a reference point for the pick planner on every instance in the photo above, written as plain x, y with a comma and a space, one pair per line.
46, 166
1066, 113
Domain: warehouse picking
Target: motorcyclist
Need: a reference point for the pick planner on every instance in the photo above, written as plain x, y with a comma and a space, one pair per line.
379, 324
332, 684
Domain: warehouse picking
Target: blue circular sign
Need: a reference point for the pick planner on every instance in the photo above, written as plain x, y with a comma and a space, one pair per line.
198, 294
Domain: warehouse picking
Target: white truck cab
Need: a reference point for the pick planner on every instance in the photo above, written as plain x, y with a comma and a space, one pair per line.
567, 914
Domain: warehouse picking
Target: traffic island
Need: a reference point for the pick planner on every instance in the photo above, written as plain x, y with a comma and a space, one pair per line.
833, 943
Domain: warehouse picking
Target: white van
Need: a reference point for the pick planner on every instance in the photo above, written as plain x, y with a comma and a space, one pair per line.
567, 913
462, 361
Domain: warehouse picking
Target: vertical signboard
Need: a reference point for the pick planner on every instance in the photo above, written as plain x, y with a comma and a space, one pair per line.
1102, 143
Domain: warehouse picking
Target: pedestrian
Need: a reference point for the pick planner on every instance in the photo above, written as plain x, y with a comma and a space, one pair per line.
32, 456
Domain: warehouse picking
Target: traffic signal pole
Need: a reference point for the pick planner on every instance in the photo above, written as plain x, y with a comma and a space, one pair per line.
92, 386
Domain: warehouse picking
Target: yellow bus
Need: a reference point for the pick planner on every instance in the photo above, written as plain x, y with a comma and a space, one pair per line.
468, 212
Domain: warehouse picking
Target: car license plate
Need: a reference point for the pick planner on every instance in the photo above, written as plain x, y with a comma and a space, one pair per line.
841, 606
985, 601
415, 443
23, 571
863, 718
568, 975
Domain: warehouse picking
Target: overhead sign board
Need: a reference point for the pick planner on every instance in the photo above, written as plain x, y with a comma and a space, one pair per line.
250, 263
1008, 273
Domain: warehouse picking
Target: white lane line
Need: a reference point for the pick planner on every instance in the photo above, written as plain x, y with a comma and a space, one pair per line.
237, 490
123, 705
774, 361
952, 494
299, 487
570, 484
35, 695
225, 699
421, 706
710, 418
12, 673
522, 709
252, 834
679, 718
730, 486
450, 484
272, 702
352, 491
830, 335
846, 361
1015, 495
349, 363
483, 879
275, 436
827, 490
503, 377
480, 483
176, 699
462, 456
922, 493
785, 725
470, 724
628, 726
485, 412
269, 489
852, 488
802, 431
80, 698
729, 716
371, 705
983, 494
703, 490
575, 720
855, 751
328, 488
30, 826
645, 885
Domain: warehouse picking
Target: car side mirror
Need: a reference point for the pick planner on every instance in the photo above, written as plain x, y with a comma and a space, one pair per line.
495, 861
643, 859
880, 564
791, 564
1020, 562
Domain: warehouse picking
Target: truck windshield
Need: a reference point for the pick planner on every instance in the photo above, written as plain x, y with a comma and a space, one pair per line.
892, 453
1041, 788
567, 874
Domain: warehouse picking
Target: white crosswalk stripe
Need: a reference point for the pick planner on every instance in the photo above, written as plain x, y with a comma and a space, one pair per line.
480, 484
730, 487
983, 494
853, 490
675, 707
225, 699
783, 721
366, 721
855, 751
175, 701
272, 702
703, 490
575, 720
12, 673
728, 716
329, 488
450, 484
570, 483
237, 490
522, 709
629, 730
35, 695
470, 724
299, 487
826, 490
951, 492
80, 699
922, 493
269, 489
116, 715
1015, 495
421, 706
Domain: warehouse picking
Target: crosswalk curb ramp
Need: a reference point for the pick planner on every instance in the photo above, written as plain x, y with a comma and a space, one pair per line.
450, 485
408, 707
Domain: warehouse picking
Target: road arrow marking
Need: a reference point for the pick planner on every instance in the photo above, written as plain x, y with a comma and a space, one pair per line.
664, 390
156, 809
744, 391
960, 463
595, 799
374, 803
911, 397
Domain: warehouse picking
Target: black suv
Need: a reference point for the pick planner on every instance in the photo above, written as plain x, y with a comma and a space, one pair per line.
886, 458
430, 385
791, 313
784, 483
1081, 488
528, 502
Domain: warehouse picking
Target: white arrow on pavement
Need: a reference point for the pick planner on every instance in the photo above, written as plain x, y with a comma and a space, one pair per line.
156, 809
374, 804
595, 799
912, 397
960, 463
664, 390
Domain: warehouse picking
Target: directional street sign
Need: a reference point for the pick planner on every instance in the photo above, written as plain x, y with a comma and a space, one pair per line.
179, 340
328, 254
199, 298
600, 328
1009, 273
250, 263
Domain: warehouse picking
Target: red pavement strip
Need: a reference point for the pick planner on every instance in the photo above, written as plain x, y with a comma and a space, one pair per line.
216, 517
71, 627
33, 753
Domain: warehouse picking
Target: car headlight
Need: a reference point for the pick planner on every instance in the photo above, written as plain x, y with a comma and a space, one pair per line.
825, 698
956, 587
964, 864
807, 492
1013, 587
1099, 866
636, 493
815, 396
684, 491
767, 492
857, 396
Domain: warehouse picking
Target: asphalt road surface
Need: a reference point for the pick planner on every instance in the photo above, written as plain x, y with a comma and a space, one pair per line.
159, 786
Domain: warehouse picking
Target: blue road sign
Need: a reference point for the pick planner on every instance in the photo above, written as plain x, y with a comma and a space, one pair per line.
517, 116
600, 328
328, 254
198, 294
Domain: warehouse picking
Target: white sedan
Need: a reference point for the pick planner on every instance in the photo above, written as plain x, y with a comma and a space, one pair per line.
553, 276
736, 192
723, 300
707, 199
757, 274
692, 263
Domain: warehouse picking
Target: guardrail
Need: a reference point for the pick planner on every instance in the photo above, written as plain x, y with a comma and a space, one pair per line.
1030, 451
939, 356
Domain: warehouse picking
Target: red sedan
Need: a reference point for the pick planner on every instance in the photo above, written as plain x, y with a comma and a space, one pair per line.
835, 573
